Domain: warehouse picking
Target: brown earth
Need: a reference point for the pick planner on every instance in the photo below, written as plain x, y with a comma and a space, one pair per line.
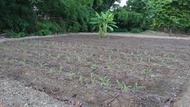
112, 72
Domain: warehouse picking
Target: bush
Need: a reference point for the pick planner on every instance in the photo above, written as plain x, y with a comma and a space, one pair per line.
120, 30
44, 17
47, 28
10, 33
13, 34
43, 32
104, 22
129, 19
136, 30
17, 16
169, 14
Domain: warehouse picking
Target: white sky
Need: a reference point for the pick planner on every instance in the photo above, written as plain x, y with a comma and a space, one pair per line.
123, 2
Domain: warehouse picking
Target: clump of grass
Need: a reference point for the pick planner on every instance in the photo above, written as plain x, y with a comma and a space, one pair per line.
163, 62
91, 65
137, 87
93, 78
68, 59
147, 70
105, 81
61, 68
71, 74
122, 85
81, 79
42, 64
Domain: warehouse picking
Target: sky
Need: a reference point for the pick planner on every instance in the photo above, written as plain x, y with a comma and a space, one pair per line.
123, 2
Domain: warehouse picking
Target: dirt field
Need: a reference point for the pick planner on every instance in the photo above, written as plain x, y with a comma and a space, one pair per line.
110, 72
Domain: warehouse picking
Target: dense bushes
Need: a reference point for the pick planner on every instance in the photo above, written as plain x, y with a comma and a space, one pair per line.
44, 17
140, 15
169, 14
72, 15
47, 28
17, 16
129, 20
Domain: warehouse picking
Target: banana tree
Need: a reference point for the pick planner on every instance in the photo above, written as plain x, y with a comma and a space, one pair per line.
103, 22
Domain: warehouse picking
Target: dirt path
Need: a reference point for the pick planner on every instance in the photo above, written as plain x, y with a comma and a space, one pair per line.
110, 34
15, 94
149, 36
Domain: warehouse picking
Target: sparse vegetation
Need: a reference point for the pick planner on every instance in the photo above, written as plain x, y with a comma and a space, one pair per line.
99, 67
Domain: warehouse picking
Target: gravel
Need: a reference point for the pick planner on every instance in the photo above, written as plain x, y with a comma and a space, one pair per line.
15, 94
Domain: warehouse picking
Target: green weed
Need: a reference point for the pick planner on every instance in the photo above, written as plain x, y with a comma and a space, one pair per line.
121, 85
105, 81
93, 78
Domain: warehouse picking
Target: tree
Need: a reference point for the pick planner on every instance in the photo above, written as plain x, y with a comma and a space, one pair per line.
169, 14
103, 5
17, 16
75, 13
136, 5
45, 16
128, 20
103, 21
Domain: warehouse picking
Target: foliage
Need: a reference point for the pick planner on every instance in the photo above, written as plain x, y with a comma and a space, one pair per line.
169, 14
47, 28
44, 17
18, 16
136, 30
138, 6
103, 5
120, 30
103, 22
30, 16
76, 14
11, 33
129, 19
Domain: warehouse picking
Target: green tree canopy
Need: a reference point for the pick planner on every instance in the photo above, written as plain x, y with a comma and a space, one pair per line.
169, 13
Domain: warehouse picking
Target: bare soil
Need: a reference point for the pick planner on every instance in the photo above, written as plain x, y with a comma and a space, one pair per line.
111, 72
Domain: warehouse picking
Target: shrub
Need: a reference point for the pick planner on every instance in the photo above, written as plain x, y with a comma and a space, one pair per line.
47, 28
10, 33
103, 22
17, 17
129, 19
136, 30
169, 14
120, 30
13, 34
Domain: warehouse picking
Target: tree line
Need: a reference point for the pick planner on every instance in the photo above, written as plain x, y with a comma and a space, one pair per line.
44, 17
